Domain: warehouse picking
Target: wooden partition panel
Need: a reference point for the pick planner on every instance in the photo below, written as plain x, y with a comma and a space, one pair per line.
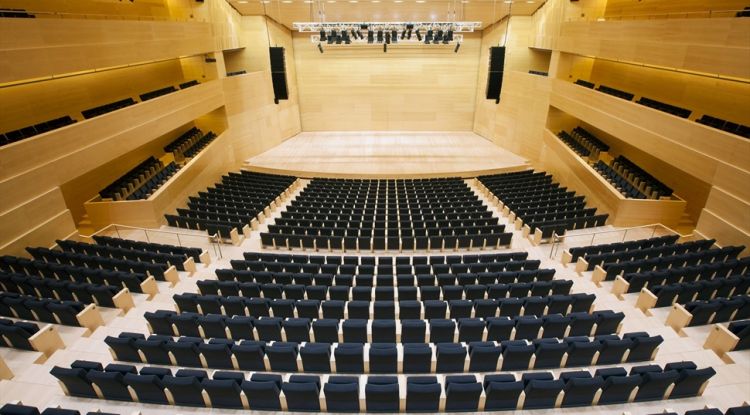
715, 46
200, 172
35, 48
572, 171
427, 88
46, 161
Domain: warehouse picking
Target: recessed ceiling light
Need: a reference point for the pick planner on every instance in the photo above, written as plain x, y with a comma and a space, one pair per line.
464, 1
331, 1
308, 1
508, 1
353, 1
398, 1
420, 1
242, 2
287, 1
374, 1
529, 1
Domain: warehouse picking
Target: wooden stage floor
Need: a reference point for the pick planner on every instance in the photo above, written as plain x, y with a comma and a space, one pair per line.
380, 154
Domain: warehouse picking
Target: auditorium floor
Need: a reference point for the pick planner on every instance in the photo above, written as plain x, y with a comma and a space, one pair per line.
35, 386
374, 154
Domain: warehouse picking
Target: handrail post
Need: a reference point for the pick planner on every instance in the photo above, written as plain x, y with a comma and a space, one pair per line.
179, 242
117, 231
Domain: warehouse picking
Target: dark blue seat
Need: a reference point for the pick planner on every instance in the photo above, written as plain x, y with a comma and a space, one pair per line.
413, 331
326, 331
342, 394
502, 392
383, 331
263, 391
282, 356
417, 358
349, 358
148, 388
549, 353
184, 351
442, 330
316, 357
580, 389
654, 385
483, 356
542, 393
451, 357
516, 354
217, 353
111, 384
354, 330
617, 389
223, 393
383, 358
422, 394
382, 394
462, 393
691, 382
75, 381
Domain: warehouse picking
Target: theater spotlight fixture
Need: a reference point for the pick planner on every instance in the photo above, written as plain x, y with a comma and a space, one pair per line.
320, 48
385, 47
458, 45
350, 33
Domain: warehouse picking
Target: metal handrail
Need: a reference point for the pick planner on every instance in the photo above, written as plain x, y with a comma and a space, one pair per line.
212, 239
557, 240
687, 15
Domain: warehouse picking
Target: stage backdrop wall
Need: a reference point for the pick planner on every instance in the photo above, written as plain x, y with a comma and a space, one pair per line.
416, 89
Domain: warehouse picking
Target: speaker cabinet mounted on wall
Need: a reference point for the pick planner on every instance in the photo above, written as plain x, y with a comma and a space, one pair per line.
278, 74
495, 73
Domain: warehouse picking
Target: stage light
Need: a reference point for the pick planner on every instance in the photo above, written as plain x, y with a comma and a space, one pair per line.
403, 34
322, 35
458, 45
439, 37
385, 47
320, 48
408, 34
331, 37
387, 37
428, 37
380, 36
394, 36
419, 36
370, 37
450, 36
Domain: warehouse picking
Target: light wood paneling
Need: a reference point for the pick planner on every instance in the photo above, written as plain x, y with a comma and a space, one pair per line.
378, 154
40, 232
645, 8
15, 223
54, 158
30, 103
715, 46
724, 232
730, 208
202, 171
35, 48
410, 88
687, 145
59, 9
571, 171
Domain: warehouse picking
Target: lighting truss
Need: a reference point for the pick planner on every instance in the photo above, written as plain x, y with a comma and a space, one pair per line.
406, 32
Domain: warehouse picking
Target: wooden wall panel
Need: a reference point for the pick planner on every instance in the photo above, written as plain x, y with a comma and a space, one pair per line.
408, 88
27, 104
715, 46
644, 8
41, 232
35, 48
59, 9
15, 223
57, 157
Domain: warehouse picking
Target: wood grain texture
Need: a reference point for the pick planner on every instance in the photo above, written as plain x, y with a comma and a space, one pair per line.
408, 88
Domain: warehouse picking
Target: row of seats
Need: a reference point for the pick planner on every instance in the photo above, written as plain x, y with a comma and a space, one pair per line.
386, 280
382, 309
158, 248
655, 262
155, 182
617, 255
724, 125
640, 178
585, 251
574, 145
16, 334
126, 279
620, 183
114, 252
397, 207
386, 260
183, 141
686, 292
126, 102
34, 308
199, 145
448, 357
40, 128
517, 188
741, 329
728, 126
262, 391
16, 13
718, 310
157, 270
339, 330
235, 73
257, 189
19, 409
366, 265
494, 238
737, 410
132, 179
83, 292
685, 280
540, 73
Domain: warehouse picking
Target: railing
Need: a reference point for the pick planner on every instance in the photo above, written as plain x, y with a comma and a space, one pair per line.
200, 240
588, 239
702, 14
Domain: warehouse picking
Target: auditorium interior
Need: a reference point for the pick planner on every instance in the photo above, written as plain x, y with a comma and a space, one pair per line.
374, 206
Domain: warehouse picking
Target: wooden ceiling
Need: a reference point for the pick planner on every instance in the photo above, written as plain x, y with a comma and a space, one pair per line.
288, 11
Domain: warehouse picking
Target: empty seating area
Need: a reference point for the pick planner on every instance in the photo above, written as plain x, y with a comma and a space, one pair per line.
232, 205
540, 73
542, 204
189, 143
126, 102
32, 130
584, 143
620, 183
16, 13
615, 92
378, 215
640, 178
20, 409
581, 254
261, 391
141, 181
235, 73
17, 334
661, 106
724, 125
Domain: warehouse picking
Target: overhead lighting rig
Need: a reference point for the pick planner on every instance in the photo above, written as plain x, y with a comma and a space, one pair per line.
368, 33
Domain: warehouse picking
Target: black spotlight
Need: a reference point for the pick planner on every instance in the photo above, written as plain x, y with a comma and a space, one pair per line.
354, 35
322, 35
408, 34
394, 36
387, 37
419, 36
380, 36
450, 36
320, 48
428, 37
385, 47
370, 37
338, 39
332, 37
458, 45
346, 37
439, 37
403, 34
359, 33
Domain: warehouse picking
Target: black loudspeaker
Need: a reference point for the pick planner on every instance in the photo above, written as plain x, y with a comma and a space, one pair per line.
278, 74
495, 73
